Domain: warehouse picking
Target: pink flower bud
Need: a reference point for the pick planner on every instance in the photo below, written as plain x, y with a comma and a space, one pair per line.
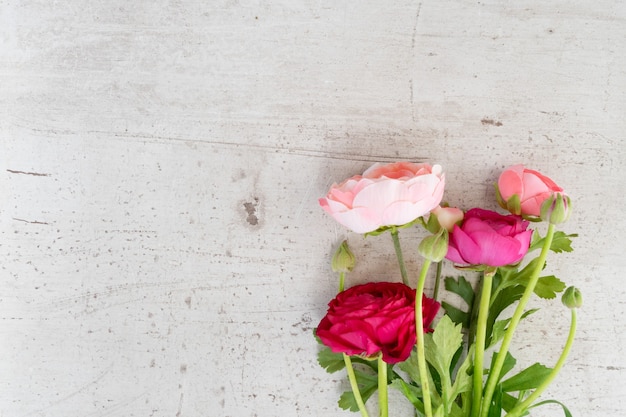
522, 191
447, 217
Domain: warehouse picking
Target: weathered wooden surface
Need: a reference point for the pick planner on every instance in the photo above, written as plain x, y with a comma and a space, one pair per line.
162, 249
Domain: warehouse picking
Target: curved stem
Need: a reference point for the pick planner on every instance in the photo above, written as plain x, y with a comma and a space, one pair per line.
396, 246
519, 311
419, 330
342, 281
521, 408
383, 405
481, 335
354, 385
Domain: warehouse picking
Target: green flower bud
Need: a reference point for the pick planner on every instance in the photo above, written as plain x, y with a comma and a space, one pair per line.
343, 259
434, 247
556, 209
572, 298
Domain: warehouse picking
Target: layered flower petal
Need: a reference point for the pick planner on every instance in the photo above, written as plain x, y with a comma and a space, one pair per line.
531, 188
489, 238
375, 318
385, 195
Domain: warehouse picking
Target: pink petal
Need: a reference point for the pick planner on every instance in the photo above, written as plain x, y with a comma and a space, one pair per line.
469, 251
497, 250
510, 182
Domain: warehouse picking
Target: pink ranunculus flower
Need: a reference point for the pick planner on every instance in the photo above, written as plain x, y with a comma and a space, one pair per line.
385, 195
375, 318
489, 238
531, 187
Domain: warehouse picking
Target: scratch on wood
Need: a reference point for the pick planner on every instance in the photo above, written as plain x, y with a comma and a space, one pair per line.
417, 17
36, 174
492, 122
29, 221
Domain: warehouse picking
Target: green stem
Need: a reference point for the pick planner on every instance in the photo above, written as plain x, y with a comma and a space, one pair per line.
396, 246
349, 367
521, 408
354, 385
419, 329
437, 280
494, 373
342, 281
383, 405
481, 335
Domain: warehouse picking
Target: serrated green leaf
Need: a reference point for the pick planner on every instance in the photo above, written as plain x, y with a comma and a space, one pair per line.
442, 345
511, 276
548, 286
456, 315
368, 384
561, 242
460, 287
441, 349
529, 378
330, 360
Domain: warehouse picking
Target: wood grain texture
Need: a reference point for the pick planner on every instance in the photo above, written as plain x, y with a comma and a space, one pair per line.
162, 249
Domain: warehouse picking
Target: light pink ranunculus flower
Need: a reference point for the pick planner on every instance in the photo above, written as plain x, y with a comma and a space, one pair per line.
385, 195
532, 188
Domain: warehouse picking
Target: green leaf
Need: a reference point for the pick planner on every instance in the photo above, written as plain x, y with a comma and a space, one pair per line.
561, 242
529, 378
507, 365
456, 315
497, 331
508, 401
441, 349
411, 367
460, 287
411, 392
330, 360
442, 345
502, 300
368, 384
463, 379
495, 408
548, 286
565, 410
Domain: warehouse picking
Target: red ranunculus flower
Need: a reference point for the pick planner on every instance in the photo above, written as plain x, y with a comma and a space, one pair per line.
489, 238
375, 318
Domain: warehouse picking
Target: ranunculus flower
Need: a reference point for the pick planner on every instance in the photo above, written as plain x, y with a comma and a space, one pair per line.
531, 188
489, 238
375, 318
385, 195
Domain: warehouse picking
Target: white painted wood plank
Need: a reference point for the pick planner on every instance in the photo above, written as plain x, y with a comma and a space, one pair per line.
163, 251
